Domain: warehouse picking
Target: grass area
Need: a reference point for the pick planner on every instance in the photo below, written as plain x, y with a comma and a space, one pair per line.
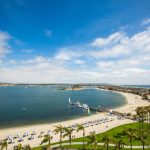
37, 148
113, 132
116, 132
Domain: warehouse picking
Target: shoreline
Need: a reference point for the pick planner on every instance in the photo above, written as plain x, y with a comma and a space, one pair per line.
133, 101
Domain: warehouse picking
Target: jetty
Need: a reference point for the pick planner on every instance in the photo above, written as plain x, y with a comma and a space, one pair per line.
87, 107
78, 104
98, 109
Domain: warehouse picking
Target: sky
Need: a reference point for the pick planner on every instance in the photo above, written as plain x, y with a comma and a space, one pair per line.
75, 41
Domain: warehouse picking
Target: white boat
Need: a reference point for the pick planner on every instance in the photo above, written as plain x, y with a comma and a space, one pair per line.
75, 103
85, 106
78, 104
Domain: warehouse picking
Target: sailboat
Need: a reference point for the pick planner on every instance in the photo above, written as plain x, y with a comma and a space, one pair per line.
69, 101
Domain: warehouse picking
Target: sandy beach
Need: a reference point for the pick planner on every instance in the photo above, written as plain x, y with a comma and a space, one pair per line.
133, 101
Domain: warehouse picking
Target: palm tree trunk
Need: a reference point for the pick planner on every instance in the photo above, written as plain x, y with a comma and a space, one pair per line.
143, 145
61, 140
131, 144
107, 145
95, 146
119, 147
70, 140
83, 138
49, 143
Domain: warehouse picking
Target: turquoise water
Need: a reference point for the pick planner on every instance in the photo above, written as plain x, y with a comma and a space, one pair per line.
31, 105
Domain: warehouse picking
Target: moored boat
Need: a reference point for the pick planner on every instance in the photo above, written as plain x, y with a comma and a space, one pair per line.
78, 104
85, 106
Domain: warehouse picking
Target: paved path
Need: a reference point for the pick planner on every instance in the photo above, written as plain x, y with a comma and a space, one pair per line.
112, 145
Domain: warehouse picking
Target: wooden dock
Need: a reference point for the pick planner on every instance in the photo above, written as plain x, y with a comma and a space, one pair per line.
99, 109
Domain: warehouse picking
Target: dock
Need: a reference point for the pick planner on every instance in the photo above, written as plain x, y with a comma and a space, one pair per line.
89, 108
98, 109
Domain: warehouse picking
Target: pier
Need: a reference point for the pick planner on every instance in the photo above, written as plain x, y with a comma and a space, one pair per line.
98, 109
86, 106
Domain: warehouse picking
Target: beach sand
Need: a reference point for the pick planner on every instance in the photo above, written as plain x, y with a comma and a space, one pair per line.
133, 101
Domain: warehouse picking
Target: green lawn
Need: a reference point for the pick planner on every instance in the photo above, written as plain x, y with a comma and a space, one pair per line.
111, 133
37, 148
117, 131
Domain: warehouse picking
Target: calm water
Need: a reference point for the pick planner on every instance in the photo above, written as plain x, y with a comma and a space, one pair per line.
23, 106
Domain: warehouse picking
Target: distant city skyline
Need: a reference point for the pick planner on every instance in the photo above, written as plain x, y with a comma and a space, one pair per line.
82, 41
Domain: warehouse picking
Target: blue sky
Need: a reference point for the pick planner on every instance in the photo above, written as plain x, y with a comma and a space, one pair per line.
63, 41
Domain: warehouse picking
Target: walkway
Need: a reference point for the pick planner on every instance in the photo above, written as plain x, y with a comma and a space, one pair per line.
112, 145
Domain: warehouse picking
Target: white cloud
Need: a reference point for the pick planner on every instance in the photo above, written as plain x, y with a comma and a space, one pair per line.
118, 64
146, 21
112, 39
105, 64
114, 51
118, 58
13, 62
48, 33
37, 59
79, 62
66, 54
4, 45
138, 43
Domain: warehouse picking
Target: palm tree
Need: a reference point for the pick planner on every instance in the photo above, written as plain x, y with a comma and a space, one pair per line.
27, 147
119, 144
68, 132
59, 129
4, 144
80, 127
47, 138
142, 138
141, 114
148, 116
130, 134
92, 139
106, 139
